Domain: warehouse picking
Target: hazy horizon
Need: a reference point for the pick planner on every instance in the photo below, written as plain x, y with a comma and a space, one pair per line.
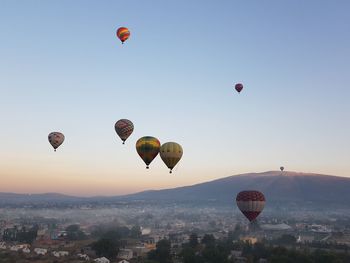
63, 69
89, 194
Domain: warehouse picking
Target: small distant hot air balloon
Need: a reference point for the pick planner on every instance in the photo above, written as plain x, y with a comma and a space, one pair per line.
148, 148
123, 34
239, 87
282, 168
124, 129
56, 139
251, 203
171, 153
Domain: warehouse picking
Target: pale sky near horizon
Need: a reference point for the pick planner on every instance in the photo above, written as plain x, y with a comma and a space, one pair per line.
63, 69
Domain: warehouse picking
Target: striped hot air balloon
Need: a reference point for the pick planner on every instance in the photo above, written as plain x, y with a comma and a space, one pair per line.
123, 34
171, 153
56, 139
251, 203
148, 148
124, 129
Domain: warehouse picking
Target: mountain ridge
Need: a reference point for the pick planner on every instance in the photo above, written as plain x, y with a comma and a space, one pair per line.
277, 186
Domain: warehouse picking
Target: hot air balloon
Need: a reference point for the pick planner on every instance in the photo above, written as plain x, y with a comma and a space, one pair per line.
124, 129
171, 153
148, 148
251, 203
56, 139
282, 168
239, 87
123, 34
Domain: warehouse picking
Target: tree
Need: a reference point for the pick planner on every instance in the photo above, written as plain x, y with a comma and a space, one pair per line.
74, 233
135, 232
162, 252
188, 255
193, 243
208, 240
106, 248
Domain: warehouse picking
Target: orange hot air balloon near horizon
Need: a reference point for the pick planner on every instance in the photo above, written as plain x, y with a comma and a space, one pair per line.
123, 34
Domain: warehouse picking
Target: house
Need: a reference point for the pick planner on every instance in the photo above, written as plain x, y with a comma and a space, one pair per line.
14, 248
125, 254
26, 250
83, 256
102, 260
59, 254
3, 245
40, 251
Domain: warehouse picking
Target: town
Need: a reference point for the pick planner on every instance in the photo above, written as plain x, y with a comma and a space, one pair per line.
136, 232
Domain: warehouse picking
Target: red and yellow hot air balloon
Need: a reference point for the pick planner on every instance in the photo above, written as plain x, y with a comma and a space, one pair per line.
123, 34
124, 129
239, 87
148, 148
251, 203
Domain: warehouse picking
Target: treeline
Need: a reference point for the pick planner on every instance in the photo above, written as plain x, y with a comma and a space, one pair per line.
21, 235
210, 250
111, 239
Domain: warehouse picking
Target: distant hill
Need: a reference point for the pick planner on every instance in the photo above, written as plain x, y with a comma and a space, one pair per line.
277, 187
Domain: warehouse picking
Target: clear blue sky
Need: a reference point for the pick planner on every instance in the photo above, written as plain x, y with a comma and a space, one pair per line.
63, 69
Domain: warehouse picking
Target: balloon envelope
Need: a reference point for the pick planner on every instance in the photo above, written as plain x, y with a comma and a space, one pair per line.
148, 148
56, 139
124, 129
251, 203
171, 153
123, 33
239, 87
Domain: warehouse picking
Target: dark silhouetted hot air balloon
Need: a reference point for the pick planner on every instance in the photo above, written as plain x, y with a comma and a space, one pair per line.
123, 34
171, 153
239, 87
56, 139
251, 203
282, 168
148, 148
124, 129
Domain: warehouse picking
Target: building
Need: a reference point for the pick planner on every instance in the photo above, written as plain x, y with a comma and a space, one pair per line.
102, 260
125, 254
59, 254
40, 251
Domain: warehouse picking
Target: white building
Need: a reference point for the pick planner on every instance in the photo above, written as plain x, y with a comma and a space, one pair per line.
26, 250
125, 254
14, 248
84, 256
123, 261
59, 254
102, 260
40, 251
3, 245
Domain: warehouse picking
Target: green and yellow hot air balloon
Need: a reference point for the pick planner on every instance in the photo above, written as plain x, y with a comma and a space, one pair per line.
171, 153
148, 148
